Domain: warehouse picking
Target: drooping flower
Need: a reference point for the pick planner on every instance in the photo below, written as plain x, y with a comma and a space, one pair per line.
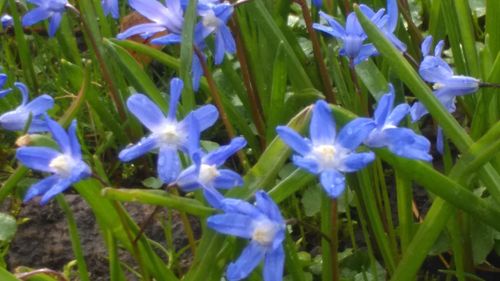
66, 165
263, 224
53, 9
447, 86
3, 80
167, 134
401, 141
205, 172
111, 7
326, 153
6, 21
16, 119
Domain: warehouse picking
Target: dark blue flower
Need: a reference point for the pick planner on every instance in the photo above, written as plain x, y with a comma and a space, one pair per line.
167, 134
264, 226
6, 21
401, 141
447, 86
66, 165
205, 172
110, 7
53, 9
16, 119
326, 153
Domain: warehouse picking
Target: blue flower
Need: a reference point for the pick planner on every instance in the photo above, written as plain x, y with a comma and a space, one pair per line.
214, 19
352, 37
3, 80
205, 173
387, 23
447, 86
263, 224
326, 153
163, 18
16, 119
6, 21
66, 165
110, 7
401, 141
52, 9
167, 134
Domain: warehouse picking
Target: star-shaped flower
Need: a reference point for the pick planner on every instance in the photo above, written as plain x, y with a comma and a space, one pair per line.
66, 165
16, 119
53, 9
263, 225
401, 141
6, 21
326, 153
167, 134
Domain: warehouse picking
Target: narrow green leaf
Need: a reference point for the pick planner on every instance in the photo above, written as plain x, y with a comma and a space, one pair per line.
8, 227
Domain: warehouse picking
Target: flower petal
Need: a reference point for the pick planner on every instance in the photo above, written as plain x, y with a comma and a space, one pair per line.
322, 127
37, 158
392, 13
221, 154
76, 151
176, 86
384, 107
426, 46
294, 140
54, 23
333, 183
248, 261
434, 70
35, 15
146, 111
355, 132
406, 143
59, 135
337, 30
57, 188
227, 179
307, 163
266, 205
151, 9
146, 29
417, 110
169, 164
356, 161
274, 264
206, 116
40, 105
145, 145
213, 197
40, 187
188, 179
397, 114
440, 140
232, 224
239, 206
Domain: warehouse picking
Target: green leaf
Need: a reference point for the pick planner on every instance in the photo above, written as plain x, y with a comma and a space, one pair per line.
7, 276
152, 182
310, 200
8, 227
483, 238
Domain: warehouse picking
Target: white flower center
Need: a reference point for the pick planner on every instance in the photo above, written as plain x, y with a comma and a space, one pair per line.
208, 173
437, 86
210, 20
170, 135
325, 154
264, 233
62, 165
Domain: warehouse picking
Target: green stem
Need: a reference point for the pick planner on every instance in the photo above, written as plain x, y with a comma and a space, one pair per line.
335, 241
75, 239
